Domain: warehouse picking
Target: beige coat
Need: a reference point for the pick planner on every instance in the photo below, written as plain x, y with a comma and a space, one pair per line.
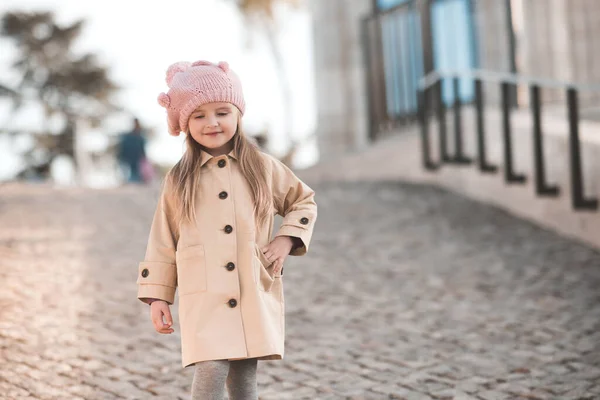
231, 306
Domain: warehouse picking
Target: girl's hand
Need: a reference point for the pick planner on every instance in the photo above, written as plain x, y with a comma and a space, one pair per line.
277, 251
158, 309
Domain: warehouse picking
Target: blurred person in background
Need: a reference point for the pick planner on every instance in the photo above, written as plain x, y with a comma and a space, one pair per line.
131, 154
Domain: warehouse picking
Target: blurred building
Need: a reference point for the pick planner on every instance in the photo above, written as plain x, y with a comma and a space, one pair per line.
377, 50
498, 100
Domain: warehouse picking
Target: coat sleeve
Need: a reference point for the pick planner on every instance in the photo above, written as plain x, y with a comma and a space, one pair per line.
295, 202
157, 274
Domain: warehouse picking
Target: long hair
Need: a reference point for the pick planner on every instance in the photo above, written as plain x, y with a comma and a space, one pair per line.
185, 175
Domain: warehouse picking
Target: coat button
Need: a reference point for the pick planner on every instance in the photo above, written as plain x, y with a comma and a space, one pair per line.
230, 266
232, 303
304, 220
228, 229
221, 163
223, 195
145, 272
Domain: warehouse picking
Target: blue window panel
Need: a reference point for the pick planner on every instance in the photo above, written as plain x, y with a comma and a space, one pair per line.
453, 44
453, 47
401, 60
387, 4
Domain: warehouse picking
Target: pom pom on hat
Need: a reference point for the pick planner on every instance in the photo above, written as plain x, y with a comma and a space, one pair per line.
176, 68
224, 66
164, 100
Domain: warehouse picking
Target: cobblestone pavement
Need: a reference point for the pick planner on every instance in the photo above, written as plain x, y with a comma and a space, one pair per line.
408, 292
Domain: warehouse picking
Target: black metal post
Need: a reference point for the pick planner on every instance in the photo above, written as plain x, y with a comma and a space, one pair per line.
512, 48
396, 84
459, 156
484, 166
441, 116
509, 175
424, 119
541, 187
577, 193
379, 77
374, 6
424, 7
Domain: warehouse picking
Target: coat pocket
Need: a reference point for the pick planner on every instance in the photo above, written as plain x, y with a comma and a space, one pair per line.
263, 271
191, 270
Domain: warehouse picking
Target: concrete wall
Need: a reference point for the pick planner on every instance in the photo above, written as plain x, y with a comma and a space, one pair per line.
339, 72
491, 24
555, 39
560, 41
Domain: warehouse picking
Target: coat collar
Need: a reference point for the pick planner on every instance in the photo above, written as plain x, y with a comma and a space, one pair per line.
206, 157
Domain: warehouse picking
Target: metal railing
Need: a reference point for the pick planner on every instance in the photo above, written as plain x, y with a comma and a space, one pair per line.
392, 51
398, 50
431, 104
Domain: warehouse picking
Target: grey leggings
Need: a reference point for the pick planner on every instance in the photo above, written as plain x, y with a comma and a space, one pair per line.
210, 378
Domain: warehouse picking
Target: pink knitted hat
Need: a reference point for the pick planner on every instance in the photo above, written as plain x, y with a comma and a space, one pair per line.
194, 84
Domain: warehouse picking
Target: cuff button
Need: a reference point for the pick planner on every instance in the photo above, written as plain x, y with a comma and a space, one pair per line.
145, 273
304, 220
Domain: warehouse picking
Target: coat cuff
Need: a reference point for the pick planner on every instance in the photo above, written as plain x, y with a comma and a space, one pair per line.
301, 233
157, 280
157, 292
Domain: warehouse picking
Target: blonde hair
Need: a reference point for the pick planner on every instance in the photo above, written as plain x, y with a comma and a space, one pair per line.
183, 177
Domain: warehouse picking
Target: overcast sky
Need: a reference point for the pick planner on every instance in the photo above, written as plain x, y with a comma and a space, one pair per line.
139, 41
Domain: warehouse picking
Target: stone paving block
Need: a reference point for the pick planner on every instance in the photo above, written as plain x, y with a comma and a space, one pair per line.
540, 394
388, 389
468, 387
579, 393
595, 390
84, 391
386, 376
13, 392
458, 395
493, 395
445, 394
412, 396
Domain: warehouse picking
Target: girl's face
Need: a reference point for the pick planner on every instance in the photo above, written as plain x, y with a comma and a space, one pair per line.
213, 125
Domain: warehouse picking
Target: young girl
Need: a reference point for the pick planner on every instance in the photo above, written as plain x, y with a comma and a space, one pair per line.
211, 236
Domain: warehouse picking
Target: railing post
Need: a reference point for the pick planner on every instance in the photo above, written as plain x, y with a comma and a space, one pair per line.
441, 116
541, 187
424, 7
577, 195
368, 77
379, 77
512, 48
509, 175
479, 107
459, 156
423, 96
374, 6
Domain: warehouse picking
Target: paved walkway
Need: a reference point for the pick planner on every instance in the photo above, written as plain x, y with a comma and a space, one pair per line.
408, 292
